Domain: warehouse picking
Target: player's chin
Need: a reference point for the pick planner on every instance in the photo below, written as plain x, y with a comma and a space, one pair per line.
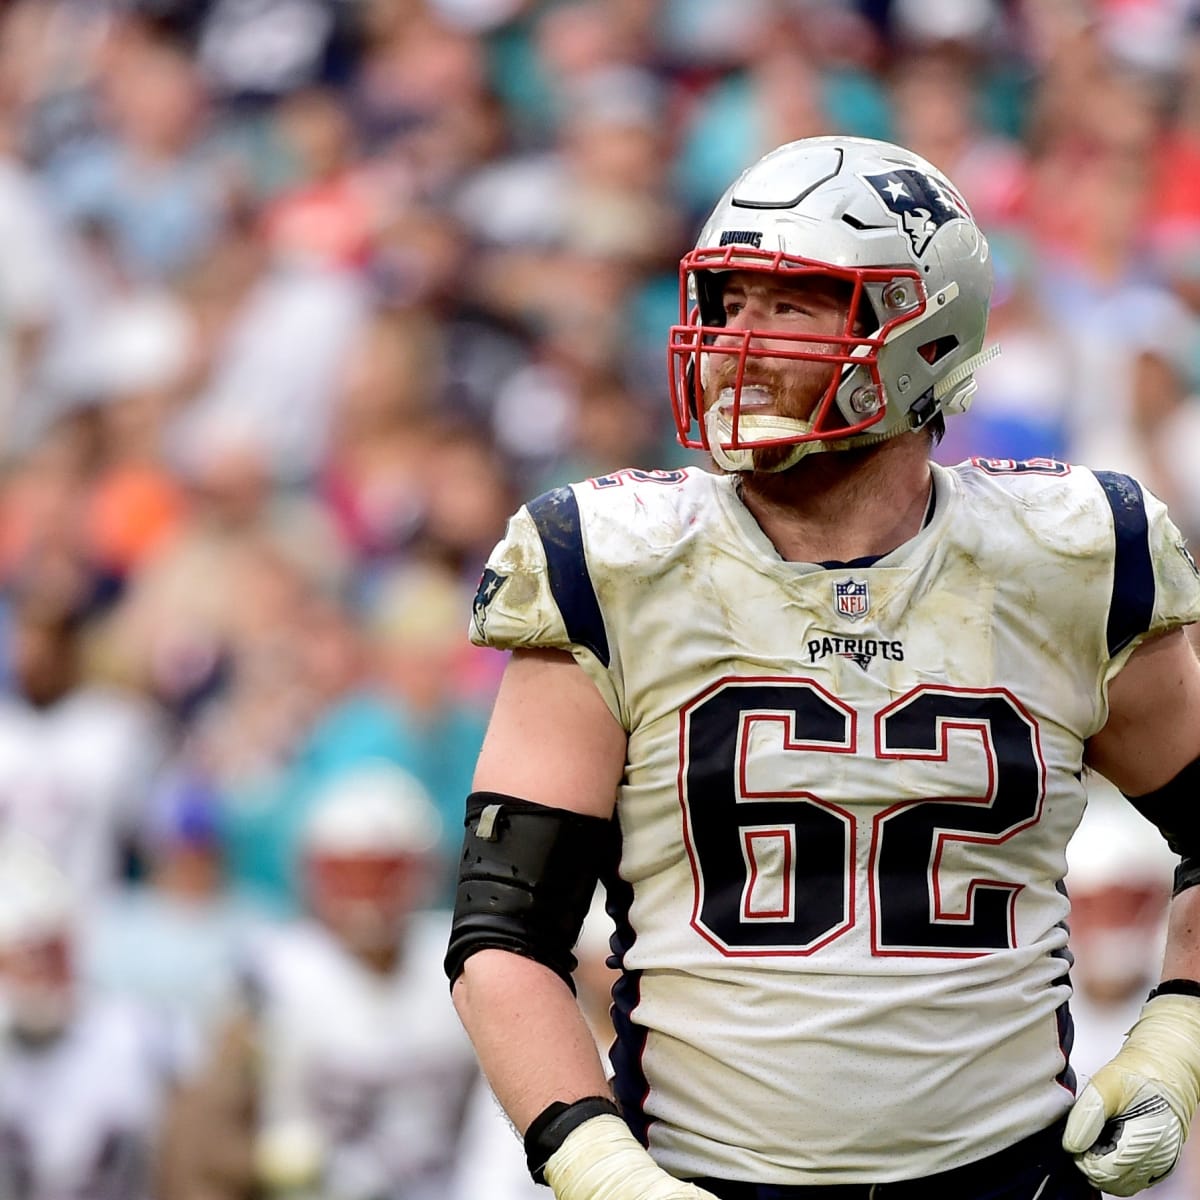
770, 460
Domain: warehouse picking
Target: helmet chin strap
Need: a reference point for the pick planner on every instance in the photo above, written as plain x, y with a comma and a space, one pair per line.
754, 427
764, 427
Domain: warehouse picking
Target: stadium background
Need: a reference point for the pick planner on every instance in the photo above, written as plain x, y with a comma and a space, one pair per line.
299, 299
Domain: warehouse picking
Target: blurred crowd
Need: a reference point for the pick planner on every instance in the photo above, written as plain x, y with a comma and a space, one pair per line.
300, 298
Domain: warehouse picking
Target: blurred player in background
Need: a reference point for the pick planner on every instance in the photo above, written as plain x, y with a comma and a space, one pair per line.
346, 1074
489, 1162
1119, 874
83, 1078
819, 720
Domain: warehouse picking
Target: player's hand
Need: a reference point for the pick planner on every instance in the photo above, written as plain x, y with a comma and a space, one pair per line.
288, 1156
602, 1160
1129, 1124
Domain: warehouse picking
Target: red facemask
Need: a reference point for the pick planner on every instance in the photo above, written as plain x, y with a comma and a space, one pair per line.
701, 349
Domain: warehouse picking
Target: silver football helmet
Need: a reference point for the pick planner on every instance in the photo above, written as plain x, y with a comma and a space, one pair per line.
919, 276
37, 919
369, 848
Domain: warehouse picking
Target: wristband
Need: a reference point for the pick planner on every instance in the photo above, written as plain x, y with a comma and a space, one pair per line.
1176, 987
548, 1130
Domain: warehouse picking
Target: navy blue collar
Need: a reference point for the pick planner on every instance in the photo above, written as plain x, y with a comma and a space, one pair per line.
869, 560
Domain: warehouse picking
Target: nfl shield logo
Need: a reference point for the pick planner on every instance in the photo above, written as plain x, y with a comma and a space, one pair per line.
852, 599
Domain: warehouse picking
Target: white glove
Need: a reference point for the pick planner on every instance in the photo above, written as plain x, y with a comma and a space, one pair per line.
288, 1156
602, 1160
1129, 1124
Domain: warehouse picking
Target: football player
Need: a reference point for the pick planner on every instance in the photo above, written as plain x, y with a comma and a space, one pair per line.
819, 717
347, 1073
83, 1076
1119, 878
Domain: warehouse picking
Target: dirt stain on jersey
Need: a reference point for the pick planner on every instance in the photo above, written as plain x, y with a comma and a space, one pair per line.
522, 571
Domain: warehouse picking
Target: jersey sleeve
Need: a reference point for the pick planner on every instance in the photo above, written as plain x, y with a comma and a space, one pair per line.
536, 591
1155, 581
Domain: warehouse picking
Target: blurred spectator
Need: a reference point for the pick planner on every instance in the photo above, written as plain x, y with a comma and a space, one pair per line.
175, 941
926, 22
101, 448
210, 591
775, 96
48, 50
435, 687
423, 102
83, 1077
77, 753
1119, 875
602, 184
293, 713
383, 439
274, 371
1022, 408
44, 550
1177, 194
603, 422
465, 502
708, 36
314, 692
325, 217
1092, 167
301, 297
936, 114
547, 50
28, 292
1151, 38
132, 369
369, 1104
577, 241
1135, 410
148, 180
491, 1158
259, 50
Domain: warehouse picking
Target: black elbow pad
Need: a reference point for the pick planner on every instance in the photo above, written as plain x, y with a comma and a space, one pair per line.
1175, 809
526, 880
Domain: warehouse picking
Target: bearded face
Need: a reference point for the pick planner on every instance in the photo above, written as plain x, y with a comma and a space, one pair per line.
784, 317
777, 387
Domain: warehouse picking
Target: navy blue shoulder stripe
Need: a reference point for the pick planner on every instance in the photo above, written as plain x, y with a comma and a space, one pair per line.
556, 515
1132, 606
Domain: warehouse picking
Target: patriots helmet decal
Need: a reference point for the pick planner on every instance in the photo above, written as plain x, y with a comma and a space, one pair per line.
920, 203
490, 582
894, 235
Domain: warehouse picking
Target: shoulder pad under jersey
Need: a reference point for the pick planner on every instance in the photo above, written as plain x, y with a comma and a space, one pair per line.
540, 586
1108, 521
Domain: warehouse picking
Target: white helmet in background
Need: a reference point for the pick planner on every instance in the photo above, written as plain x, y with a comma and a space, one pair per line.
36, 901
369, 851
917, 269
1119, 878
37, 917
1115, 845
378, 808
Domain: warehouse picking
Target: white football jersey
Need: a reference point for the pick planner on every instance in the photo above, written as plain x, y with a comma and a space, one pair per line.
76, 776
847, 799
377, 1066
79, 1115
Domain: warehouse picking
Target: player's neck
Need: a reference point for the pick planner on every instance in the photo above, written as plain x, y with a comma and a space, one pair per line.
843, 506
